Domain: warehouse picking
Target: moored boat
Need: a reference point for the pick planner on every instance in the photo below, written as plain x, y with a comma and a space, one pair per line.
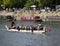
53, 18
31, 18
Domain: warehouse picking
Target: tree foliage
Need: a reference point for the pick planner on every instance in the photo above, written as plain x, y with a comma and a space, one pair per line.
58, 2
0, 2
28, 3
6, 2
43, 2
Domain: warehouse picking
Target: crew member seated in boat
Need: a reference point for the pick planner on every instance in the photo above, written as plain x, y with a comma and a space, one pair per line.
40, 26
12, 26
48, 29
25, 27
18, 28
32, 28
21, 27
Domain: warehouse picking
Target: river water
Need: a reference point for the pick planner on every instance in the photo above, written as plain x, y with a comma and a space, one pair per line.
51, 38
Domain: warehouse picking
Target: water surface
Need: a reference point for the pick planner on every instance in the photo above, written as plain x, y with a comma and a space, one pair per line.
27, 39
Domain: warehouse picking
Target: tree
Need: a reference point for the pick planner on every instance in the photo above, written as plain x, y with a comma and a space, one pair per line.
20, 3
47, 2
29, 3
6, 3
40, 3
17, 3
57, 2
0, 2
43, 2
9, 3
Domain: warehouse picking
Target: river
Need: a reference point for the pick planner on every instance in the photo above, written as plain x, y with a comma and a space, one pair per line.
51, 38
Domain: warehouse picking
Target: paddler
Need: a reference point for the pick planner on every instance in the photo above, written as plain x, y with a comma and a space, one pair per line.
40, 26
48, 29
18, 28
31, 28
12, 26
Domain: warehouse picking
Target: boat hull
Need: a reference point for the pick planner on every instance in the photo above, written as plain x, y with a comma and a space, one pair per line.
37, 31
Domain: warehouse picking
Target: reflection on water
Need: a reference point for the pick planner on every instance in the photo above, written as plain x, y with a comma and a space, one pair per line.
27, 39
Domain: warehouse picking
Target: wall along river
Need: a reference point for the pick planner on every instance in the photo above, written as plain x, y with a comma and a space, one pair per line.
51, 38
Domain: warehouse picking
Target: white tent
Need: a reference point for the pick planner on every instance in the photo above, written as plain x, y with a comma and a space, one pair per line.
33, 6
58, 6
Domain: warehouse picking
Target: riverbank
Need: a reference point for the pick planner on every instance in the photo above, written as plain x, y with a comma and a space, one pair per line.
18, 13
